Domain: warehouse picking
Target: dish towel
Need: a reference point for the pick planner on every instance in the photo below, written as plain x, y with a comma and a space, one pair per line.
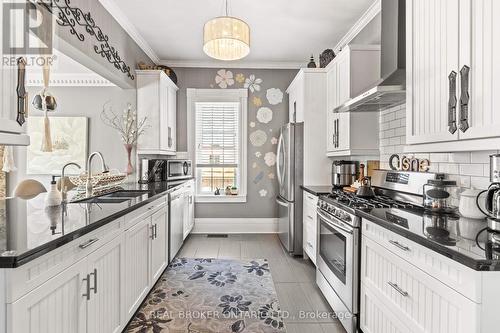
8, 160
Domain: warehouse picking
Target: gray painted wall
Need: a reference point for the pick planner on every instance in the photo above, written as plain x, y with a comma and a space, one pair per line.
87, 102
84, 53
262, 186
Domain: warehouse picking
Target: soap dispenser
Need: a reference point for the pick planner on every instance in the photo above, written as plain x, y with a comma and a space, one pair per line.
54, 197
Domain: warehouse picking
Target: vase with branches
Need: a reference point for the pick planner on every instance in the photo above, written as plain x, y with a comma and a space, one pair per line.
127, 125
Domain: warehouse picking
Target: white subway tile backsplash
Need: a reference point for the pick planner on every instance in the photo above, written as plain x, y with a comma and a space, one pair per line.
468, 168
480, 182
459, 157
438, 157
481, 156
449, 168
395, 123
472, 170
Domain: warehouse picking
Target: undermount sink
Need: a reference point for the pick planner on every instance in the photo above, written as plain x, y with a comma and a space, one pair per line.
102, 200
125, 194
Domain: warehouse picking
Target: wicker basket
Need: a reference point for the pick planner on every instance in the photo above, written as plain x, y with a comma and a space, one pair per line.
100, 180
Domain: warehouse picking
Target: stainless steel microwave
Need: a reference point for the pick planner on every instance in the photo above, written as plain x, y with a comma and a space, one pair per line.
179, 169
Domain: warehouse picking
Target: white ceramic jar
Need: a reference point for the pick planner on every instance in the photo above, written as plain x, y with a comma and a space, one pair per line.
468, 207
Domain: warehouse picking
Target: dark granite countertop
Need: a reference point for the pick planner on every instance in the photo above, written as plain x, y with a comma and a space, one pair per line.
29, 230
451, 236
317, 190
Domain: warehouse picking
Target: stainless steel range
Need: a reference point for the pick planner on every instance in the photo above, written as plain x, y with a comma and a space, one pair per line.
338, 257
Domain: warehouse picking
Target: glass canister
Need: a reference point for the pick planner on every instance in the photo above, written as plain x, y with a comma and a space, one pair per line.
441, 195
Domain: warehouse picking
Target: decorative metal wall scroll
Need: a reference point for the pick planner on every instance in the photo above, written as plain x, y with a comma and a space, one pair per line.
72, 16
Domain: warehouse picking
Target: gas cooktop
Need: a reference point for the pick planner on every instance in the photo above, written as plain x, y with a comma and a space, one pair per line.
351, 200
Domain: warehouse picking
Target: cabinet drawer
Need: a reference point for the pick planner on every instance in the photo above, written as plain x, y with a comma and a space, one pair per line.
376, 317
31, 275
455, 275
417, 298
139, 214
310, 199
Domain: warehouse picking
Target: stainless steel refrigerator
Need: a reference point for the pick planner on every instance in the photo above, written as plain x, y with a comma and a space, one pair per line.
290, 176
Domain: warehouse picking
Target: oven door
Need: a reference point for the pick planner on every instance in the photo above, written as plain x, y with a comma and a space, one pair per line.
338, 258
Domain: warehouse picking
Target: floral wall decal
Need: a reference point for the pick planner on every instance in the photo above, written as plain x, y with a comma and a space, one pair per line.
224, 78
270, 159
252, 83
274, 96
256, 101
278, 80
258, 138
263, 192
264, 115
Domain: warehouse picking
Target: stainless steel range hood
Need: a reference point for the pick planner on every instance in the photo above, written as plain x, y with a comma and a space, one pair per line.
391, 89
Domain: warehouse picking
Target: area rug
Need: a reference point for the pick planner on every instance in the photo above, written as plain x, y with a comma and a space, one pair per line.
211, 295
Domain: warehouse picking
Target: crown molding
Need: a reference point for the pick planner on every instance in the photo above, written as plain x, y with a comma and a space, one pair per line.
122, 19
71, 80
232, 64
362, 22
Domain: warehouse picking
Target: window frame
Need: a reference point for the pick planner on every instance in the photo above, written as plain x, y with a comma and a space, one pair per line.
220, 95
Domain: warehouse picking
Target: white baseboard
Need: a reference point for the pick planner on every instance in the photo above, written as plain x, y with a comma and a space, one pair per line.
235, 226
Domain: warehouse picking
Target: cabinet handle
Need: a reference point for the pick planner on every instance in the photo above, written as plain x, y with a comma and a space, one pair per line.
169, 136
337, 133
156, 230
452, 102
464, 98
310, 217
88, 243
152, 232
87, 294
399, 245
398, 289
94, 288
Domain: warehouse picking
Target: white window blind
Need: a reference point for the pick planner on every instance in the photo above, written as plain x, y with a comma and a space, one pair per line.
217, 144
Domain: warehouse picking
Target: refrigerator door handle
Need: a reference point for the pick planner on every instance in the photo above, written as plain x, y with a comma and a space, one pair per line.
281, 202
278, 162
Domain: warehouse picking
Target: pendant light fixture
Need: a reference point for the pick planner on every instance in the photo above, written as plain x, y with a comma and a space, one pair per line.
226, 37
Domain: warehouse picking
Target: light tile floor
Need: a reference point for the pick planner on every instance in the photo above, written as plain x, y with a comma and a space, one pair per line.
294, 277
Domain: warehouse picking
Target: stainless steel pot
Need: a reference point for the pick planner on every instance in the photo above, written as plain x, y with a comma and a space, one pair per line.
343, 173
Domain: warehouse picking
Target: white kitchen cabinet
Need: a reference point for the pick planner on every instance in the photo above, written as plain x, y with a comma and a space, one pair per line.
354, 70
59, 305
157, 100
137, 272
106, 268
310, 226
307, 105
422, 302
159, 243
436, 75
352, 133
11, 133
188, 217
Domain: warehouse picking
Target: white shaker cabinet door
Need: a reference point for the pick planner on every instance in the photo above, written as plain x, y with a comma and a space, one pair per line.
59, 305
106, 267
479, 49
159, 243
137, 249
432, 55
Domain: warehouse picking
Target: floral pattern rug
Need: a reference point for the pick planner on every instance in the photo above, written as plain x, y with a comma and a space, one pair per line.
211, 295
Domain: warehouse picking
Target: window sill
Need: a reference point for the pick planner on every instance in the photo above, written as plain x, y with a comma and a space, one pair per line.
220, 198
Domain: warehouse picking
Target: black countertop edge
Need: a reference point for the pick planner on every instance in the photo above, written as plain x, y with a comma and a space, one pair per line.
16, 261
475, 264
317, 190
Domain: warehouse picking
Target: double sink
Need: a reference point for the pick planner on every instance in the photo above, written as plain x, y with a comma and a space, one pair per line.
113, 197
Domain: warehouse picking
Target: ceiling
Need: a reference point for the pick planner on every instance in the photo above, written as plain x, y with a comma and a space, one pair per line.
282, 31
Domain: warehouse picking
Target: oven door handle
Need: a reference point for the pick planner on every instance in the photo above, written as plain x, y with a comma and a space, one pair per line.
332, 222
